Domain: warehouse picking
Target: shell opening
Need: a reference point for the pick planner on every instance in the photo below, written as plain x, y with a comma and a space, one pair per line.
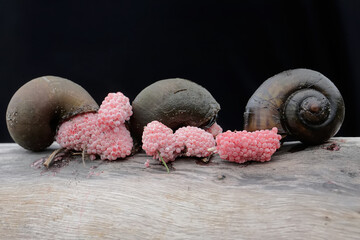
211, 122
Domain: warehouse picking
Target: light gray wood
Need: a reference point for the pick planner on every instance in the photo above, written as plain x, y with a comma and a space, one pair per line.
313, 193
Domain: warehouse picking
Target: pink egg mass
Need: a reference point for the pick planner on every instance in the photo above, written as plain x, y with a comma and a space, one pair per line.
103, 133
243, 146
186, 141
159, 139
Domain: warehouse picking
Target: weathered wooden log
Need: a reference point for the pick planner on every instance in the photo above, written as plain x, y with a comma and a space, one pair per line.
302, 193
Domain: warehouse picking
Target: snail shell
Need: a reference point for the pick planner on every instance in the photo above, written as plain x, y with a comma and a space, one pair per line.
175, 102
40, 105
302, 103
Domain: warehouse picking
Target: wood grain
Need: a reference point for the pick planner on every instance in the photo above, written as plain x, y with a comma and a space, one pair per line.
302, 193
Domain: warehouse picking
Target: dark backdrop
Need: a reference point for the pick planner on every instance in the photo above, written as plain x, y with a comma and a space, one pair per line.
229, 47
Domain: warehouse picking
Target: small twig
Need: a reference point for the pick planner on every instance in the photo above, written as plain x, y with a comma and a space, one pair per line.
50, 160
76, 153
164, 163
206, 159
212, 149
83, 157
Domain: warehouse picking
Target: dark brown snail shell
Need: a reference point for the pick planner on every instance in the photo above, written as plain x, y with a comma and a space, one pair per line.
302, 103
175, 102
40, 105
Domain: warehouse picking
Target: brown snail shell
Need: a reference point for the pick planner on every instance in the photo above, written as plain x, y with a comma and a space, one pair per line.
39, 106
302, 103
175, 102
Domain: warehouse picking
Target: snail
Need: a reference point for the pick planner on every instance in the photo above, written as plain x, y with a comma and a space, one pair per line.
302, 103
174, 102
39, 106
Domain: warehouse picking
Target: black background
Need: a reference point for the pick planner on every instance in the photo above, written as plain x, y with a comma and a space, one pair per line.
229, 47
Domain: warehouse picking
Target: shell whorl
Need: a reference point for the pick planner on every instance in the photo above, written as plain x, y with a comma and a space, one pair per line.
39, 106
302, 103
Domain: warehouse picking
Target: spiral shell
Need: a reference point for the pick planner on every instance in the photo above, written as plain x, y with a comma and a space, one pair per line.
39, 106
302, 103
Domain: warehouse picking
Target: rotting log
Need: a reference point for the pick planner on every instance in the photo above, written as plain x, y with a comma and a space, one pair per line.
302, 193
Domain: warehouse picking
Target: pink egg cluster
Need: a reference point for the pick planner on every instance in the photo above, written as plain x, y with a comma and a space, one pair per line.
103, 133
196, 141
159, 139
188, 141
114, 110
77, 131
243, 146
111, 144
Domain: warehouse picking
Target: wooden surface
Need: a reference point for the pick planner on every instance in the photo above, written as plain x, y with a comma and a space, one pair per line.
302, 193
